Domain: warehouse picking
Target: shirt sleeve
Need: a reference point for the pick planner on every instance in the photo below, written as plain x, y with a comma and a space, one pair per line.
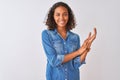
77, 62
53, 58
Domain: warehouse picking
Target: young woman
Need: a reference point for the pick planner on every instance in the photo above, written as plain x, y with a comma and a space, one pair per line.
62, 47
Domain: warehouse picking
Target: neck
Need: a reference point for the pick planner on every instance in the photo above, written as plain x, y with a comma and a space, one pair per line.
62, 32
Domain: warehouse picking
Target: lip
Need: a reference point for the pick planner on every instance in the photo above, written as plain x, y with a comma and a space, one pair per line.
61, 22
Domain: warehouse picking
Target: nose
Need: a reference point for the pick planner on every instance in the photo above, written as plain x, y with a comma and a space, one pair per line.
61, 17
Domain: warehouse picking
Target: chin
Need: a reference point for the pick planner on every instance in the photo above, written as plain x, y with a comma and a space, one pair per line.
62, 25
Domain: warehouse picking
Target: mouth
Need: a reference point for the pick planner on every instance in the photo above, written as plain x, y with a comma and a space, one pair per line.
62, 22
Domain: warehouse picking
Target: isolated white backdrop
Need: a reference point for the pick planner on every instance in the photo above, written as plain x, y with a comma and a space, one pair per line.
22, 21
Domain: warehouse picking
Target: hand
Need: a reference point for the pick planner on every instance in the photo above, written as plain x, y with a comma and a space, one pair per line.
84, 47
87, 43
92, 38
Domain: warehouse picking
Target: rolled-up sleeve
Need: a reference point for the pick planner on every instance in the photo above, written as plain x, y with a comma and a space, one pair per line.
77, 62
53, 58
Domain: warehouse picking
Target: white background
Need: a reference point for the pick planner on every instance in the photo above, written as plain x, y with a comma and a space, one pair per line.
22, 21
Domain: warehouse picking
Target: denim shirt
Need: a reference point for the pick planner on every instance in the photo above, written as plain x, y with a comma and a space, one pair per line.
56, 48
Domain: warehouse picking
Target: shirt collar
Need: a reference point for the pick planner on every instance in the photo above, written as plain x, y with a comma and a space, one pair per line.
68, 32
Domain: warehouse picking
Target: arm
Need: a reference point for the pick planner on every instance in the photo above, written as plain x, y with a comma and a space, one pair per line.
54, 58
70, 56
83, 56
88, 43
83, 50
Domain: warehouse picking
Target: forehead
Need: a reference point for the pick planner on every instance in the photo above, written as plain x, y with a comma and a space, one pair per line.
61, 9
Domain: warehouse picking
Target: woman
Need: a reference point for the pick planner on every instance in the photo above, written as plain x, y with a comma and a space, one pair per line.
62, 47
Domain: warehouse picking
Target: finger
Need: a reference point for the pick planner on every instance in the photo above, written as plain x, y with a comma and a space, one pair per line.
89, 49
89, 35
93, 38
88, 38
95, 31
94, 35
89, 45
86, 42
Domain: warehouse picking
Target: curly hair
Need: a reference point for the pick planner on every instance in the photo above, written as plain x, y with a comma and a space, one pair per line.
50, 22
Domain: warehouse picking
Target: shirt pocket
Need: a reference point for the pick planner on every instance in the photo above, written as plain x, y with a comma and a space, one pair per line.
72, 45
57, 44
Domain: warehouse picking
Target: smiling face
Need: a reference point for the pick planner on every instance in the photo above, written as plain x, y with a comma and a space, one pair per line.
61, 16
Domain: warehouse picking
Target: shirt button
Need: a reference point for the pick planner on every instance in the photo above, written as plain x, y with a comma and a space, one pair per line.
65, 69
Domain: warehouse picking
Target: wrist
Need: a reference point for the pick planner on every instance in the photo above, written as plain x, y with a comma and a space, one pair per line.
79, 52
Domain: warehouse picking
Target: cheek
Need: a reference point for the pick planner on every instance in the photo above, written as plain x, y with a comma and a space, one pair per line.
67, 18
55, 19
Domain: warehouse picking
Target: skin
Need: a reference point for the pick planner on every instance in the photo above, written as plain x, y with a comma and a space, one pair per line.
61, 18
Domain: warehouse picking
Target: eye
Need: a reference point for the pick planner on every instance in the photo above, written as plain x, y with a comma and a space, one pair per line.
65, 14
57, 14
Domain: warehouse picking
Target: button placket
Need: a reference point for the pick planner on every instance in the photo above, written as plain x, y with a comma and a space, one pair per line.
65, 73
65, 48
65, 69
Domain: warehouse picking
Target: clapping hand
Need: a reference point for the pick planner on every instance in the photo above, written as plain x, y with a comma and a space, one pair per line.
87, 43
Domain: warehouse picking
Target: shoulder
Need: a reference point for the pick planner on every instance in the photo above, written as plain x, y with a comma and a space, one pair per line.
46, 32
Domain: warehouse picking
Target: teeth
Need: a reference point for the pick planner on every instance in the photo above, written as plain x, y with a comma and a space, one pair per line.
62, 22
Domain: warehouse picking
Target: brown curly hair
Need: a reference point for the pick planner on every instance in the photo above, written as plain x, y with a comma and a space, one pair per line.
50, 22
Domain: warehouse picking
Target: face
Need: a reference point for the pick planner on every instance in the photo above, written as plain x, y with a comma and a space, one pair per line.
61, 16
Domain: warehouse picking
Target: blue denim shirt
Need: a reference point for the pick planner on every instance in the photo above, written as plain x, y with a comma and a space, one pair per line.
56, 48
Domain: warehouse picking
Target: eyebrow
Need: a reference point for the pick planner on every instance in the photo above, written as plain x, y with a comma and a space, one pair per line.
63, 12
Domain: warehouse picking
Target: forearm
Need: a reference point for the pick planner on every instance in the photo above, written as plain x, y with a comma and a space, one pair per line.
70, 56
79, 52
83, 56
